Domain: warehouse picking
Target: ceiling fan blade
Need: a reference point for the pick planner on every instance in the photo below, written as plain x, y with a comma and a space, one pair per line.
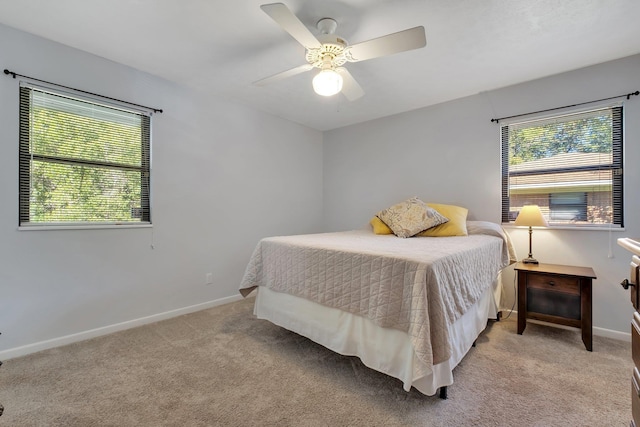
350, 87
291, 24
413, 38
283, 75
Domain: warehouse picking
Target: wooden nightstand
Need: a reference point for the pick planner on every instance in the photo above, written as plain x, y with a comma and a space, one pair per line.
558, 294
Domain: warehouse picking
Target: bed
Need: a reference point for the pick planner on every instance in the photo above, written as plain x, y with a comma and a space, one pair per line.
410, 308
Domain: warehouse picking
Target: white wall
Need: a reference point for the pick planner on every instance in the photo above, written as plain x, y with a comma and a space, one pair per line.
450, 153
223, 177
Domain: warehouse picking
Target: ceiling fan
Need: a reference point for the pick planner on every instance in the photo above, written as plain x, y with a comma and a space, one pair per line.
329, 52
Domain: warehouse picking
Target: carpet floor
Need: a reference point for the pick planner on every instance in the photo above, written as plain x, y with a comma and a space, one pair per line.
223, 367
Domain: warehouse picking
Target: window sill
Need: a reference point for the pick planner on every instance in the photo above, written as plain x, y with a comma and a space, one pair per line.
81, 227
567, 227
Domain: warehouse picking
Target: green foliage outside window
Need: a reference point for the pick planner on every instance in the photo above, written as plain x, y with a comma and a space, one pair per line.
581, 135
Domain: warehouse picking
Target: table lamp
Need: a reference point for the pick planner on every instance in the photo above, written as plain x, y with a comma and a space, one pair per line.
530, 216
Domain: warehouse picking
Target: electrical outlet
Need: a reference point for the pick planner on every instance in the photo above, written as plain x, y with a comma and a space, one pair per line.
208, 279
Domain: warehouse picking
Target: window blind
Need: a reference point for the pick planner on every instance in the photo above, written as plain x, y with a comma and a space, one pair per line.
81, 161
572, 156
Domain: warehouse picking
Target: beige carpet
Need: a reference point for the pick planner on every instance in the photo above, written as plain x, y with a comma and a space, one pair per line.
222, 367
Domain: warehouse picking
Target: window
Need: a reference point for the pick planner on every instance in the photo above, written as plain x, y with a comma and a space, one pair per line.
569, 165
82, 162
568, 206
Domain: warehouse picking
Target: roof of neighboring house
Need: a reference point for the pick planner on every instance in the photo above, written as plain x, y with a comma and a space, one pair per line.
564, 160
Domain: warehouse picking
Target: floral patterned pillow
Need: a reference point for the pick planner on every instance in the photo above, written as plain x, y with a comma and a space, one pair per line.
410, 217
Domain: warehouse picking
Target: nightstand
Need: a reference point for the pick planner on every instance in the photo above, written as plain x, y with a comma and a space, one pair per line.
558, 294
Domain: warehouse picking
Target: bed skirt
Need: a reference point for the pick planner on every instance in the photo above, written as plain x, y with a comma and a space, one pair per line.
386, 350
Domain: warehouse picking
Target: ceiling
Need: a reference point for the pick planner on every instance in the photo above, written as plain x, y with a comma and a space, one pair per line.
222, 47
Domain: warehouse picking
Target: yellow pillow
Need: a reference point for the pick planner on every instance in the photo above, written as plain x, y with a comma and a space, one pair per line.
379, 227
457, 225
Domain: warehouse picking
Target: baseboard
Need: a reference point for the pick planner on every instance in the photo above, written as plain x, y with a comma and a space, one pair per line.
92, 333
609, 333
601, 332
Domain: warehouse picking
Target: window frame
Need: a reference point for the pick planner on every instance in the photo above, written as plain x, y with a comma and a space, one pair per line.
617, 165
25, 158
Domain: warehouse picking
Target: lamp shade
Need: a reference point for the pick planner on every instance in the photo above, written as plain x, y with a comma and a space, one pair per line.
531, 216
327, 83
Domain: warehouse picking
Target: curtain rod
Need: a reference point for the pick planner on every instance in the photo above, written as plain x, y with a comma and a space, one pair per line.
628, 95
14, 75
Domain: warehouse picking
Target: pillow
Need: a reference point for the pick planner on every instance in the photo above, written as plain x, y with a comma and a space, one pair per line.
456, 226
379, 227
410, 217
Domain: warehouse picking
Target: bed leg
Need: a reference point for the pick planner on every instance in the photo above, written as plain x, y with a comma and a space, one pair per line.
474, 343
499, 316
443, 392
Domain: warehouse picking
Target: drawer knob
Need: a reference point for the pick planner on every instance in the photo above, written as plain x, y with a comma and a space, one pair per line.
552, 283
626, 283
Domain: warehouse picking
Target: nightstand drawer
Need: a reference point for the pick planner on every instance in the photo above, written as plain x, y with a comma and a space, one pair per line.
568, 285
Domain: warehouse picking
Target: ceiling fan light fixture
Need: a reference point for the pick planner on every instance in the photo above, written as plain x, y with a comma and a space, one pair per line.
330, 52
327, 82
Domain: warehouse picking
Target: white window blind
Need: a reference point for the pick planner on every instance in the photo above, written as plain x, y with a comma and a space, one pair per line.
81, 162
570, 165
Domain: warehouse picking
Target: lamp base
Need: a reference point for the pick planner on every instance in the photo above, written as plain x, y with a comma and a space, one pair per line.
530, 260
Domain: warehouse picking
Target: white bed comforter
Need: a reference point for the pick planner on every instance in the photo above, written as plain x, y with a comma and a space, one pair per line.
417, 285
